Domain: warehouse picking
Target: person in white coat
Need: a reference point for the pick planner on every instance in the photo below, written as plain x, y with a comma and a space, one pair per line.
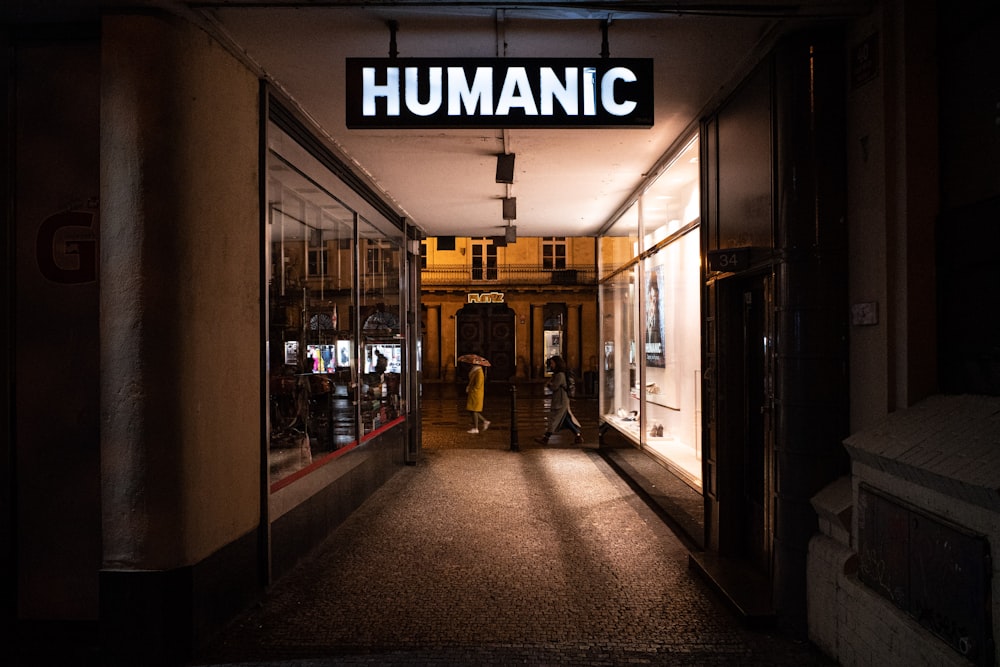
560, 413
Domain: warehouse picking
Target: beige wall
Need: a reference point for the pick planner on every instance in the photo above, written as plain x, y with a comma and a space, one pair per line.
180, 294
867, 241
891, 158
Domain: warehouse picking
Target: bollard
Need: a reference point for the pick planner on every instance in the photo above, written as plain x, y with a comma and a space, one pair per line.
514, 447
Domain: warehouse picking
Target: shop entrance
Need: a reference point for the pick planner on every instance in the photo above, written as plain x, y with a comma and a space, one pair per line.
553, 334
748, 445
487, 329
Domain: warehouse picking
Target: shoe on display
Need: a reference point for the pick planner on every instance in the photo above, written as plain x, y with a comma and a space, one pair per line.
486, 424
473, 430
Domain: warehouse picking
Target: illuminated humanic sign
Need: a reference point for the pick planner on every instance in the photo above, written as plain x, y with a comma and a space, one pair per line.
393, 93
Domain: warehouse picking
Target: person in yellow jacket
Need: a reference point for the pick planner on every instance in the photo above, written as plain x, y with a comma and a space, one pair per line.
476, 390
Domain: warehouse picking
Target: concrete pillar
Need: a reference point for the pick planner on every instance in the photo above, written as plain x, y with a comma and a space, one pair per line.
181, 355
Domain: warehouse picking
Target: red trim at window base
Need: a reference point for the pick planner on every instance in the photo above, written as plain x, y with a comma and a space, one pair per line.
382, 429
337, 453
318, 463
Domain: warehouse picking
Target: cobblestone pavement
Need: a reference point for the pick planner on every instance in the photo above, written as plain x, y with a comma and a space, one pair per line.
479, 555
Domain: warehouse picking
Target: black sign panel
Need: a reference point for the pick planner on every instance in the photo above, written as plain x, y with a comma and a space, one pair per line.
396, 93
730, 260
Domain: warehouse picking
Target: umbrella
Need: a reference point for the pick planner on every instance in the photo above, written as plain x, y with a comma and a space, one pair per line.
474, 359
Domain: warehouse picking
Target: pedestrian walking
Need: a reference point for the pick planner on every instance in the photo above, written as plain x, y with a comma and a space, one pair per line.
476, 390
560, 413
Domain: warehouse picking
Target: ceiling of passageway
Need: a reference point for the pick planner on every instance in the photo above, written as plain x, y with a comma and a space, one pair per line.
567, 182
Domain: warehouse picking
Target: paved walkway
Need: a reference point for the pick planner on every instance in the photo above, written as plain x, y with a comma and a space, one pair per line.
479, 555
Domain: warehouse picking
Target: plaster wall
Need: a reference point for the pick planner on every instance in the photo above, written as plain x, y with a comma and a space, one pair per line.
180, 298
867, 242
892, 153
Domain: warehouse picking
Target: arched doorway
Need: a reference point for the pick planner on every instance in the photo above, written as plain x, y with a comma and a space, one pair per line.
487, 329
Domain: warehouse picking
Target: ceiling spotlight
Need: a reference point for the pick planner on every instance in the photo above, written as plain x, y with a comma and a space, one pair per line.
505, 168
510, 208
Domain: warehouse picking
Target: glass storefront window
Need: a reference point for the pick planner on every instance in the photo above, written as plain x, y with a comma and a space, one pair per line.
620, 243
671, 380
381, 333
335, 356
651, 319
672, 201
620, 368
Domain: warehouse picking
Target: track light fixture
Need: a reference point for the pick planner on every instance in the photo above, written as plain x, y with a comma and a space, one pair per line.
510, 208
505, 168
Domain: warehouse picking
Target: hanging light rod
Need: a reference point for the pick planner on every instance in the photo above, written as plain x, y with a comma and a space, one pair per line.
393, 28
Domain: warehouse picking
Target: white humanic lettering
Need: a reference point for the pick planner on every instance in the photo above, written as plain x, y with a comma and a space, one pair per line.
608, 91
371, 90
516, 92
551, 88
464, 99
460, 94
413, 103
589, 91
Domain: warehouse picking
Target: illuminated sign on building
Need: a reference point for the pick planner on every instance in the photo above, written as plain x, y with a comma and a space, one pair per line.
486, 297
392, 93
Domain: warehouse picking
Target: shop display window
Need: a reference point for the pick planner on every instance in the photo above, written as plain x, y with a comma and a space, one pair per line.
383, 358
326, 386
620, 244
671, 379
651, 320
619, 371
381, 332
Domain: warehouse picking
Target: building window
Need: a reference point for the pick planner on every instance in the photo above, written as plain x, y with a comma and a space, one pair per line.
423, 254
553, 252
484, 260
319, 260
373, 257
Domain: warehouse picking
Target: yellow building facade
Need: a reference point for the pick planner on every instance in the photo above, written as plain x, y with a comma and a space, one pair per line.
515, 303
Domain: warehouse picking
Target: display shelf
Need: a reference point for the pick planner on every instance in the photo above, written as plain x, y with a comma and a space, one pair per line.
627, 427
656, 399
681, 457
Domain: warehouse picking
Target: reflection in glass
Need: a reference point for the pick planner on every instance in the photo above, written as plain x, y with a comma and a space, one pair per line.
620, 244
310, 267
335, 357
381, 333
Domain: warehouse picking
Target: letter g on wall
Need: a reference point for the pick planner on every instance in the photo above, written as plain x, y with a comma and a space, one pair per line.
66, 247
